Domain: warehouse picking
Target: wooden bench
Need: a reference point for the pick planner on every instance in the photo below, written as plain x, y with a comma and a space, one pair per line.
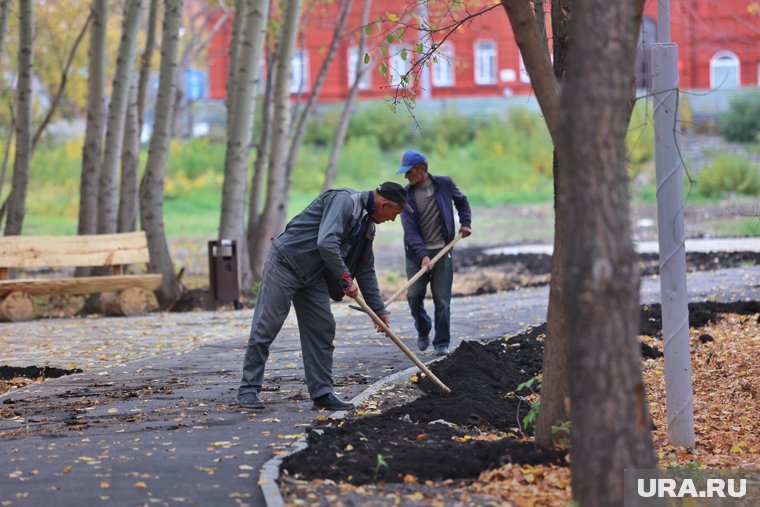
122, 293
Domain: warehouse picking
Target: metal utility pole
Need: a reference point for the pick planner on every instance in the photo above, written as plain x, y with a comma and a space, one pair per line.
675, 311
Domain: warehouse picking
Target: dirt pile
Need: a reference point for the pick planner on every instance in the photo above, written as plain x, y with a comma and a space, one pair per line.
476, 428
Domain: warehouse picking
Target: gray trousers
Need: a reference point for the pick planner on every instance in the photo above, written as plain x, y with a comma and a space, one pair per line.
280, 287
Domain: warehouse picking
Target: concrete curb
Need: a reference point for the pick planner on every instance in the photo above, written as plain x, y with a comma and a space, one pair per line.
270, 471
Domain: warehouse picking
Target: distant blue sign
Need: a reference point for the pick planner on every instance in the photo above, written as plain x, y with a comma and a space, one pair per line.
196, 84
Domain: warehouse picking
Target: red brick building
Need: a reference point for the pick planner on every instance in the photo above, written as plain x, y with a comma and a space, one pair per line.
718, 40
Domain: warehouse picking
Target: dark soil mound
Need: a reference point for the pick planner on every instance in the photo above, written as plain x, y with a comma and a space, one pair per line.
34, 372
479, 377
699, 314
413, 438
435, 436
380, 448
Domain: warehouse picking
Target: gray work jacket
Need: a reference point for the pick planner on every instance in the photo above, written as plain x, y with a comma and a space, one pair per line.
317, 240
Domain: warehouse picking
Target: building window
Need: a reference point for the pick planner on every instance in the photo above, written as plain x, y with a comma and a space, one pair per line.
399, 64
356, 61
724, 70
485, 62
299, 71
443, 67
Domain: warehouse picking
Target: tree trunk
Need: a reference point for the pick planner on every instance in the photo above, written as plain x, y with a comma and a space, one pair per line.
17, 198
130, 158
276, 205
255, 216
130, 155
555, 388
89, 184
107, 196
247, 80
152, 184
4, 10
232, 59
536, 58
295, 145
348, 108
610, 424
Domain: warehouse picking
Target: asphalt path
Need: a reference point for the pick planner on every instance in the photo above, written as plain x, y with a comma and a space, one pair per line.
165, 429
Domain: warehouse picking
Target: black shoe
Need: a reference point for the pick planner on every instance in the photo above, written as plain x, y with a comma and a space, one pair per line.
423, 342
250, 400
331, 402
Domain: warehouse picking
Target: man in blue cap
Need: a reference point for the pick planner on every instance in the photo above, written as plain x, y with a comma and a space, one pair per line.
427, 229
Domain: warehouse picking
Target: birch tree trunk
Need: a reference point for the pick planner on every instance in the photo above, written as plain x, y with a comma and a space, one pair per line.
276, 203
130, 154
555, 388
17, 198
255, 216
247, 81
107, 196
238, 23
609, 413
152, 183
4, 10
303, 118
130, 158
348, 108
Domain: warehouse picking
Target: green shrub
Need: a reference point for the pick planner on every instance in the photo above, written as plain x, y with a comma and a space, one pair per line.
321, 128
441, 132
742, 121
392, 131
729, 173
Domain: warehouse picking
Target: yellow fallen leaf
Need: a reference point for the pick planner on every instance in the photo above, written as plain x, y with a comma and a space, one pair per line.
104, 485
140, 484
113, 410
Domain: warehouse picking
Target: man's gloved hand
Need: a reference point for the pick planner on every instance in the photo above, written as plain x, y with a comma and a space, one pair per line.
386, 318
352, 290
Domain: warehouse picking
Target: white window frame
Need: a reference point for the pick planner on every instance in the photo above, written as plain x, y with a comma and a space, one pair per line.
721, 63
486, 62
442, 71
354, 60
397, 66
299, 71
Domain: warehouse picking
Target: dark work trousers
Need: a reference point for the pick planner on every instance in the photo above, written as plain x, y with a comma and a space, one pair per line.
279, 287
440, 279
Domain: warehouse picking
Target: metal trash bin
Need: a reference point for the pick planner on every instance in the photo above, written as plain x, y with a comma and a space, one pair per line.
223, 273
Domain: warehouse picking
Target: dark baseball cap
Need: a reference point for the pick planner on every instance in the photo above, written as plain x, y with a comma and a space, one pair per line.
410, 159
394, 193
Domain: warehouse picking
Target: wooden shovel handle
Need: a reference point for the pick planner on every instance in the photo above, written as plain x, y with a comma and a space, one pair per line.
424, 270
377, 320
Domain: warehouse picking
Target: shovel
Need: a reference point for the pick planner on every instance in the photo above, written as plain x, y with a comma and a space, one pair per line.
377, 320
419, 273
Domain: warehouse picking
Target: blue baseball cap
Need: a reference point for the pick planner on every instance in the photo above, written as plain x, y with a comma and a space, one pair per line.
410, 159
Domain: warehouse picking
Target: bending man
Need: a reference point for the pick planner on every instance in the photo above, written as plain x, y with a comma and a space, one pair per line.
324, 252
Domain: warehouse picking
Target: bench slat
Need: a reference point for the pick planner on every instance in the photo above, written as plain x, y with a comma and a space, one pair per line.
87, 250
83, 285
